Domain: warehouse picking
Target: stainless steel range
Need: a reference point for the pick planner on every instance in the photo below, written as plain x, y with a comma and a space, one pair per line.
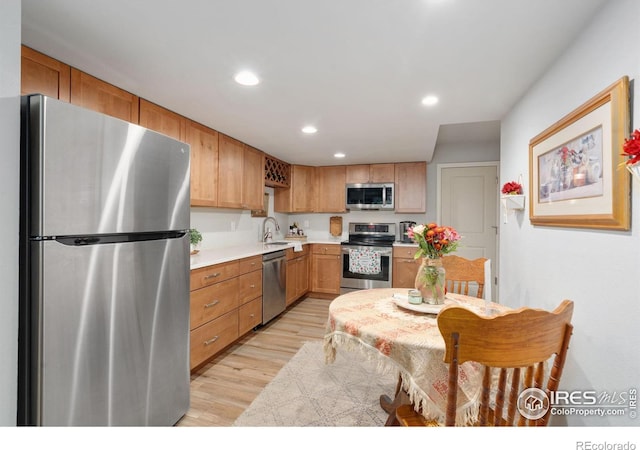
367, 256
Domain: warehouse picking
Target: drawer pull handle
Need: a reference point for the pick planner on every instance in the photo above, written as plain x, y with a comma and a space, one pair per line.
212, 340
252, 286
213, 303
252, 315
213, 275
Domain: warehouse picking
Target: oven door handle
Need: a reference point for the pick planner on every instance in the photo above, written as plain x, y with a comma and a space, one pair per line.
384, 251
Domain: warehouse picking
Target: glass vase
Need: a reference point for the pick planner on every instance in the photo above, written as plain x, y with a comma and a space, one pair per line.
430, 281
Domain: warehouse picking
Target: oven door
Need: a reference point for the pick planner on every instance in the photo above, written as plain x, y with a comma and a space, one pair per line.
365, 267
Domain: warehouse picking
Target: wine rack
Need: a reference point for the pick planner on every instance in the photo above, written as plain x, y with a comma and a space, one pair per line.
276, 173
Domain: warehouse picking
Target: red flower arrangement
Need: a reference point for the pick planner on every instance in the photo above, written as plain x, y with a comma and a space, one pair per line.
631, 147
512, 188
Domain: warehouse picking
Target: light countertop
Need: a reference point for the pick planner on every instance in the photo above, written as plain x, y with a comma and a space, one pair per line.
209, 257
212, 256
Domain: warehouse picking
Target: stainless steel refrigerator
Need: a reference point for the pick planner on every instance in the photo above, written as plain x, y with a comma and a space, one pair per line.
104, 280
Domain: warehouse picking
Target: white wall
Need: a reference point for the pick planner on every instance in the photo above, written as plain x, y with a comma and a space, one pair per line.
9, 187
599, 270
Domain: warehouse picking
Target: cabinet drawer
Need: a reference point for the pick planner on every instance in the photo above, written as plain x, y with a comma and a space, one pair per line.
206, 276
326, 249
250, 264
212, 337
213, 301
249, 315
290, 254
249, 286
404, 252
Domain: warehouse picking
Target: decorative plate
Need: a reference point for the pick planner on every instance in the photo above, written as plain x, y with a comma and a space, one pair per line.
402, 301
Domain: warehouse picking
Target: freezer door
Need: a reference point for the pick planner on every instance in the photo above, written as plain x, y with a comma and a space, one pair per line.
94, 174
114, 333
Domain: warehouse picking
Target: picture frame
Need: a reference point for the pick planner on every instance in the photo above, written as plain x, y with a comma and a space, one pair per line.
576, 167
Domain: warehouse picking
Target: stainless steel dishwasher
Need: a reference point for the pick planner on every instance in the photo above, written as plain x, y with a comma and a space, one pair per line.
274, 284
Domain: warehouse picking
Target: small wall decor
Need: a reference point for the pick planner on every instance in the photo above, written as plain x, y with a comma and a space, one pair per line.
512, 197
575, 166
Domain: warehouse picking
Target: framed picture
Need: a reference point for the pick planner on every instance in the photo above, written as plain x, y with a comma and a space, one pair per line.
576, 168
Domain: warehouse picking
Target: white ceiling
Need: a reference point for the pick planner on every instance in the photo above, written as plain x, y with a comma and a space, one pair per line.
356, 69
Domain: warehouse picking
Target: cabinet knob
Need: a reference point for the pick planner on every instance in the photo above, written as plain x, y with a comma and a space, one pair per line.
252, 286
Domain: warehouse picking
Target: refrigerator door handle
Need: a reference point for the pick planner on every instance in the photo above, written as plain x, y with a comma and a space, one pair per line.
97, 239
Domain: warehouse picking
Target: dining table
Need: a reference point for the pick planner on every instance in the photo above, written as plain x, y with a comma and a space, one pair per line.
404, 337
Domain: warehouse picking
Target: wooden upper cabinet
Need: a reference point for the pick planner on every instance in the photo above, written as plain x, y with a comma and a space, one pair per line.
91, 93
204, 164
382, 173
411, 187
41, 74
253, 179
240, 174
299, 196
162, 120
230, 166
330, 186
370, 173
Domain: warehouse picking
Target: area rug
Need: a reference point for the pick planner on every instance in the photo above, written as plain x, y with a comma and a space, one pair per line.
307, 392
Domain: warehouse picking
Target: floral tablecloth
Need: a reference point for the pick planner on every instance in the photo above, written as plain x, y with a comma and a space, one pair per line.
407, 341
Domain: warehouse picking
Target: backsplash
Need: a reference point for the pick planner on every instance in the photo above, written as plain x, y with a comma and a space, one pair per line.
229, 227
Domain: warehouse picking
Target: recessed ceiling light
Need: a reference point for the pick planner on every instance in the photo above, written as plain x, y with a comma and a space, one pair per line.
246, 78
309, 129
430, 100
339, 155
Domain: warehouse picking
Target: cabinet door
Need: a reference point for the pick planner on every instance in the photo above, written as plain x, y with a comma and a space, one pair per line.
97, 95
163, 120
330, 182
303, 276
411, 187
40, 74
292, 280
404, 272
325, 272
230, 167
303, 188
253, 179
299, 196
357, 173
204, 164
381, 173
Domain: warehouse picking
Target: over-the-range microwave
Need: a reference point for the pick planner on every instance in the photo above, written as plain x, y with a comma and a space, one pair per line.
372, 196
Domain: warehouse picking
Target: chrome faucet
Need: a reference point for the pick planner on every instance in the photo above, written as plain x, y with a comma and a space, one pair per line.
266, 232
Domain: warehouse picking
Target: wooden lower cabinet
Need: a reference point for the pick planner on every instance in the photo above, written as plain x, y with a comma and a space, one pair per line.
250, 315
226, 303
405, 267
215, 335
297, 274
325, 268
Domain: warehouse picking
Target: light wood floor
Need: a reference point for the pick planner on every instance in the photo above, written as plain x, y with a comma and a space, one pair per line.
225, 387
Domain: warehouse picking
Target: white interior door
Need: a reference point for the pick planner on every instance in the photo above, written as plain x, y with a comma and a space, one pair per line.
468, 201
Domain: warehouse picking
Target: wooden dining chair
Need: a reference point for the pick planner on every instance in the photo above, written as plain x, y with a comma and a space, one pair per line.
517, 350
464, 276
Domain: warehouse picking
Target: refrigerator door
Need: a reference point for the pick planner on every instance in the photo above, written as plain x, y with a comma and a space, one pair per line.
114, 333
94, 174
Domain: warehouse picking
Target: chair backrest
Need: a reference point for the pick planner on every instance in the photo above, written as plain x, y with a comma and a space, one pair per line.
463, 275
515, 349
